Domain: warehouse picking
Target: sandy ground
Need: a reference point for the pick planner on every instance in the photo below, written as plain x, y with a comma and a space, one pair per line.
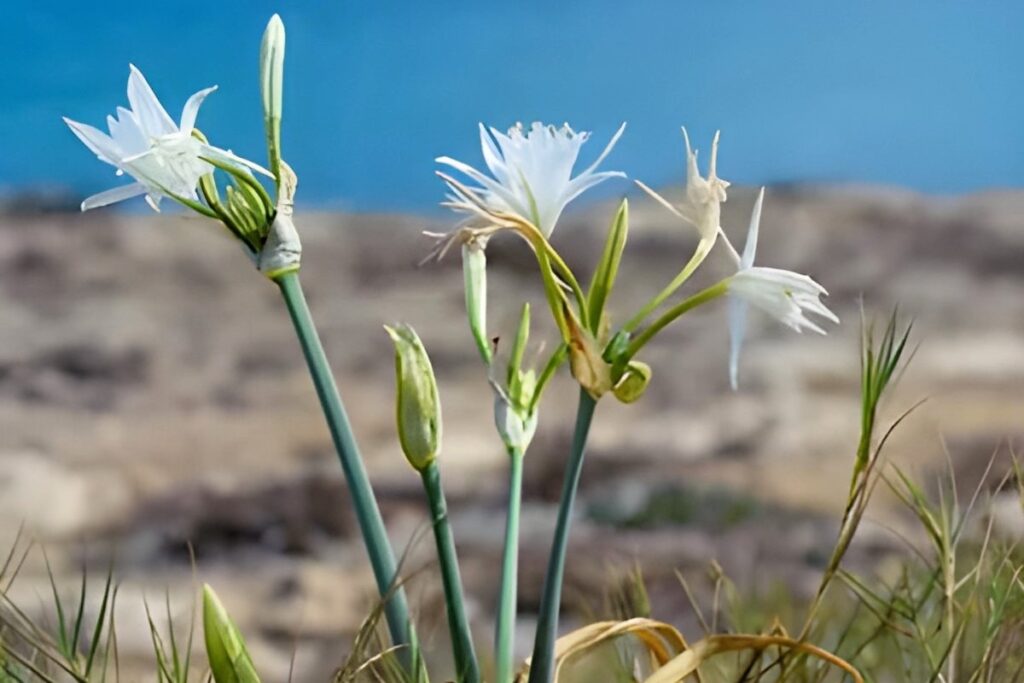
152, 395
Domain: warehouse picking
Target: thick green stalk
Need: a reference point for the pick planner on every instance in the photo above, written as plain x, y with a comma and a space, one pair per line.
467, 669
363, 500
542, 665
504, 636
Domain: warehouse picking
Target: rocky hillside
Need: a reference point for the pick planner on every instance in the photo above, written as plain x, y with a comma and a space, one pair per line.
152, 396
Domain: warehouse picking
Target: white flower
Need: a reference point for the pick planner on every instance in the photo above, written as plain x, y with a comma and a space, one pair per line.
702, 205
532, 172
162, 157
783, 294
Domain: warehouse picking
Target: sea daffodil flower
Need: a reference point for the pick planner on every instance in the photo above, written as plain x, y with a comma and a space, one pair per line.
702, 204
782, 294
164, 158
701, 208
531, 173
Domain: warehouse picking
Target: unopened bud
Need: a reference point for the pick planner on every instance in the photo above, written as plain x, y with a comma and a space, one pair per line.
271, 84
225, 648
633, 383
474, 270
418, 404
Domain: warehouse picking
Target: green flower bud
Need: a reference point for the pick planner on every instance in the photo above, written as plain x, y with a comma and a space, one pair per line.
633, 383
418, 404
271, 83
474, 269
515, 424
225, 648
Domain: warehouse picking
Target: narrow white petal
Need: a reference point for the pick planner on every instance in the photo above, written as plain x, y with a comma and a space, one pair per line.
511, 200
661, 200
582, 183
737, 331
116, 194
101, 144
607, 150
492, 156
733, 254
153, 118
126, 132
191, 110
211, 152
713, 162
750, 248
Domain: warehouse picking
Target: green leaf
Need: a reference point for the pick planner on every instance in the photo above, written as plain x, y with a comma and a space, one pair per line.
229, 659
608, 267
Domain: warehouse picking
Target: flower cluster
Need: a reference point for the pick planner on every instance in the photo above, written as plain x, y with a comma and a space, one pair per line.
530, 183
175, 161
530, 180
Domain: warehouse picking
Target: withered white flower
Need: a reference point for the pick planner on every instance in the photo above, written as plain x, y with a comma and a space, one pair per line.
531, 173
702, 204
782, 294
164, 158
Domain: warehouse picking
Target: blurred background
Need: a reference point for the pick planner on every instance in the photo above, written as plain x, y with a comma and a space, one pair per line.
152, 394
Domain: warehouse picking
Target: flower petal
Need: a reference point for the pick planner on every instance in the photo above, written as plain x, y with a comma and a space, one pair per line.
737, 331
101, 144
152, 116
511, 201
582, 183
191, 110
607, 150
111, 196
661, 200
750, 248
492, 156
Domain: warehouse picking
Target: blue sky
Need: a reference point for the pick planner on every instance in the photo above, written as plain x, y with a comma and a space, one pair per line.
919, 94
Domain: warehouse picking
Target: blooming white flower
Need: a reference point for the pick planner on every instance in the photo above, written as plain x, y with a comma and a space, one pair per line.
782, 294
165, 159
532, 172
702, 204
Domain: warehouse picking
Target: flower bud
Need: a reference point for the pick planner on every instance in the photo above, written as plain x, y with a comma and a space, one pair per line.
225, 648
418, 404
271, 83
633, 383
474, 270
515, 426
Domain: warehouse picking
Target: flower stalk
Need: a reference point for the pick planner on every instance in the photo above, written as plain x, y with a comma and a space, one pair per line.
367, 512
467, 668
505, 629
542, 664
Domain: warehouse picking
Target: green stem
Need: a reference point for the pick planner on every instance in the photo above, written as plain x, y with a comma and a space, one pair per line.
703, 249
702, 297
367, 513
504, 637
467, 669
542, 666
